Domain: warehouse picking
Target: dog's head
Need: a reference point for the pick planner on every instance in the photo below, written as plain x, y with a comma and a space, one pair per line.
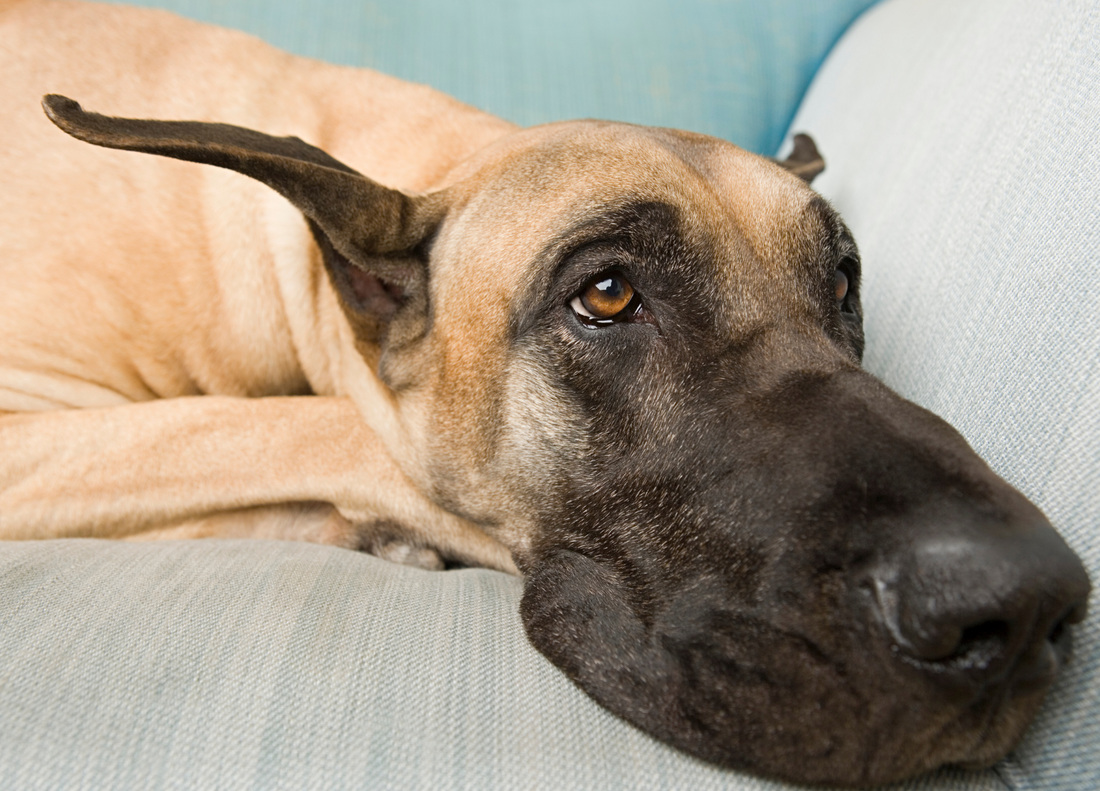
633, 356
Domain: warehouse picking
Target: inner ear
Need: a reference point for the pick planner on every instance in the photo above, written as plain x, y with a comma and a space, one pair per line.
371, 300
372, 237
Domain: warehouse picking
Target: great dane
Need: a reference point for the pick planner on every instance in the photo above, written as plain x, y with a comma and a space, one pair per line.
622, 361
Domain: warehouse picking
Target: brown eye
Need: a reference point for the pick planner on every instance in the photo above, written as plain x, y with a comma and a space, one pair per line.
605, 297
841, 285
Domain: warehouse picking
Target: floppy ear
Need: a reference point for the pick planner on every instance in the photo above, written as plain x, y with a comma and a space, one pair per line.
370, 235
804, 160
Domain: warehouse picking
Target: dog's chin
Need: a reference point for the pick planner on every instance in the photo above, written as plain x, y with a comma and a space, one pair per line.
807, 705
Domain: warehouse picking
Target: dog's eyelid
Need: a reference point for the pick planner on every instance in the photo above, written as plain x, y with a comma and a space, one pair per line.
849, 266
595, 258
578, 272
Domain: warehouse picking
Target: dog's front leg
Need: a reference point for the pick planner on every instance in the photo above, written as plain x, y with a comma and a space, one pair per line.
120, 471
318, 523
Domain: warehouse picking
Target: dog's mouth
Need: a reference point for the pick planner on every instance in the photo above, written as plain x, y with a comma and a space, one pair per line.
1003, 706
765, 689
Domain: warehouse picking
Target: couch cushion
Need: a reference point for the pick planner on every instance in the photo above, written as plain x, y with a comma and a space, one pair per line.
962, 148
268, 665
735, 70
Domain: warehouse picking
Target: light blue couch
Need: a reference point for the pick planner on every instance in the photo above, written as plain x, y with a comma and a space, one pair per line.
962, 148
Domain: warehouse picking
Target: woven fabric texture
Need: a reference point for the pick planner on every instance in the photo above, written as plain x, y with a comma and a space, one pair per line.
962, 149
271, 665
736, 69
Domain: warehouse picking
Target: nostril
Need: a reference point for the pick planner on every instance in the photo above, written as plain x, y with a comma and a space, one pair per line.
935, 639
1058, 633
988, 632
979, 645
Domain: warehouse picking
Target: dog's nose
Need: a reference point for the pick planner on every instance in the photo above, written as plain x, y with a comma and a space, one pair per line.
981, 606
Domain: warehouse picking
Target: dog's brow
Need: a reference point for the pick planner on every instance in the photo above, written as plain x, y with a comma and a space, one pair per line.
617, 223
624, 226
836, 237
830, 220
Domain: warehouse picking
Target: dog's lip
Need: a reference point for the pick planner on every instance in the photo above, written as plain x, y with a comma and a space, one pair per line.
1037, 674
1077, 613
1054, 653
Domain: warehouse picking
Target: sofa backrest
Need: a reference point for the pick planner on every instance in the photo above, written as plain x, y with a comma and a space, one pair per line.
962, 148
735, 70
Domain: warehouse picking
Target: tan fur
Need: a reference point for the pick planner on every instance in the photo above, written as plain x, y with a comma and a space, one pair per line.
134, 283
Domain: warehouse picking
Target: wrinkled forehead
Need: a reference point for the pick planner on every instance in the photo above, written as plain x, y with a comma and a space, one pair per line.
543, 190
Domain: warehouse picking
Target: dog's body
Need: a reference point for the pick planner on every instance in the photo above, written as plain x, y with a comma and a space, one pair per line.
183, 281
622, 359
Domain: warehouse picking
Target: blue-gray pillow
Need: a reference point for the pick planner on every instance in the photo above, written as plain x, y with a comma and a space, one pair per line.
962, 148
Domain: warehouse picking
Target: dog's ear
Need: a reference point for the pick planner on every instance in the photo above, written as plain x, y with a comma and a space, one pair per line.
372, 237
804, 161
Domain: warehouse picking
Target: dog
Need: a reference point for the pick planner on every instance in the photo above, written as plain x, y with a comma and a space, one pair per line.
621, 361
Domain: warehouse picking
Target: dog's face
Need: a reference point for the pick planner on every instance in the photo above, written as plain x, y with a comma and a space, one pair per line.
633, 355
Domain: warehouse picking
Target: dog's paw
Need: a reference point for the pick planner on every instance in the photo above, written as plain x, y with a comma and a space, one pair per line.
407, 554
388, 541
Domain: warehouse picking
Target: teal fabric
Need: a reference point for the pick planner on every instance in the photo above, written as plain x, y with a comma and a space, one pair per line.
962, 149
734, 69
